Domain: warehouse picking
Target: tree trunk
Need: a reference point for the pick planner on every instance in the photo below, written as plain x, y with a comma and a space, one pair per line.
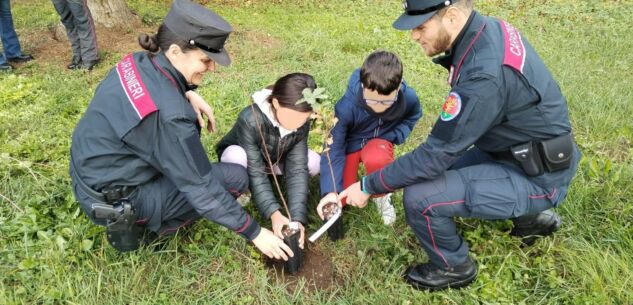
111, 13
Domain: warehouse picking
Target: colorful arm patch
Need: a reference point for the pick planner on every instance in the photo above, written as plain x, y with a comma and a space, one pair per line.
450, 114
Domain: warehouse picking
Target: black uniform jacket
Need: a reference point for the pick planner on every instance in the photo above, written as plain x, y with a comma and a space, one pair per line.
139, 127
502, 94
291, 151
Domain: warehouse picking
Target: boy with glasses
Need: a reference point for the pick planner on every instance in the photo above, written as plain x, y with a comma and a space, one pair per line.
377, 111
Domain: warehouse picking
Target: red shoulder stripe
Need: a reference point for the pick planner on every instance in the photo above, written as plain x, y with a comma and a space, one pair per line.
514, 48
134, 87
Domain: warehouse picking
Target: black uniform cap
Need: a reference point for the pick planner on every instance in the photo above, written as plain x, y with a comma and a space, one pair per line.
200, 27
417, 12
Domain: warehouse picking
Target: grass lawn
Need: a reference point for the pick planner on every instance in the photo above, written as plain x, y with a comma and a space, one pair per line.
50, 253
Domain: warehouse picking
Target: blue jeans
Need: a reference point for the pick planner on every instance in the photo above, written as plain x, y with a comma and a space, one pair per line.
10, 42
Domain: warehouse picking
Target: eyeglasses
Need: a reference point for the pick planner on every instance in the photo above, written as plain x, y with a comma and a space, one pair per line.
383, 102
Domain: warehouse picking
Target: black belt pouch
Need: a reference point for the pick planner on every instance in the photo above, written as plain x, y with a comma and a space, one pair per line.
528, 156
557, 152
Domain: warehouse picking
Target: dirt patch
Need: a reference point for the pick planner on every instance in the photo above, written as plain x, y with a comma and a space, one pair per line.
317, 271
53, 47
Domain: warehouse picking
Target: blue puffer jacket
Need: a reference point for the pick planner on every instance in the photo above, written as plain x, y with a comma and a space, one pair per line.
356, 126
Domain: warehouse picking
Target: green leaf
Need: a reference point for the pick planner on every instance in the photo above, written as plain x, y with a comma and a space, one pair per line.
61, 242
86, 244
43, 235
28, 263
318, 91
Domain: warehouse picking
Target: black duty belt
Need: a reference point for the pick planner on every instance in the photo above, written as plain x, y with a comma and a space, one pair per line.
503, 155
536, 157
108, 195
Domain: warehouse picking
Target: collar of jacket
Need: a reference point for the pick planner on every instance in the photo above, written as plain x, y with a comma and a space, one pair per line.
166, 68
460, 45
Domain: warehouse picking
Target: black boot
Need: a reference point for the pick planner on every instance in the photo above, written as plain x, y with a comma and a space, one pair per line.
431, 277
530, 227
75, 63
89, 64
6, 67
21, 59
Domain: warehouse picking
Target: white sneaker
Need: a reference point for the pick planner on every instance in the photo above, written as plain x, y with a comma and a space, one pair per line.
244, 199
385, 209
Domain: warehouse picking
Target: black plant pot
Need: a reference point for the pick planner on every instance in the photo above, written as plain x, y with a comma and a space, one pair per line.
335, 232
291, 238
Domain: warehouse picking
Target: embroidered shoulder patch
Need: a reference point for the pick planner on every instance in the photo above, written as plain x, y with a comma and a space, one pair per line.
134, 87
454, 108
515, 53
451, 108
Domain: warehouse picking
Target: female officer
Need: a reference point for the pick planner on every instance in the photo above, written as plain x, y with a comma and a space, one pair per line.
137, 162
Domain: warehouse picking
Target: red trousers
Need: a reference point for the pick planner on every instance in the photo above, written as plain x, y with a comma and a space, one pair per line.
376, 154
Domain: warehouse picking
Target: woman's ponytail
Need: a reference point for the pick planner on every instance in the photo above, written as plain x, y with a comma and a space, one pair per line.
149, 43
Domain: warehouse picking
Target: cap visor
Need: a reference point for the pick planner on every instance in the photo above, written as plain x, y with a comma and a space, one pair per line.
221, 58
407, 22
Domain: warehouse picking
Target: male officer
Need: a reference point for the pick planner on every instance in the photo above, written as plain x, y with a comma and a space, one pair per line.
137, 162
501, 147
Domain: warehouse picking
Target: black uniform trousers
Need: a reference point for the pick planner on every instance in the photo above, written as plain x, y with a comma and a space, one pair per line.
161, 207
476, 186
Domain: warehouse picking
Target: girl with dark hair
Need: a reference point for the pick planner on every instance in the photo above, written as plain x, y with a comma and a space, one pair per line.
276, 124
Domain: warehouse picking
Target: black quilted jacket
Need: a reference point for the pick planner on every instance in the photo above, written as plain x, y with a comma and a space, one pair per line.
291, 152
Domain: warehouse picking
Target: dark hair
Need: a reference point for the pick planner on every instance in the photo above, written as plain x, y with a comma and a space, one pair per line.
163, 40
382, 72
289, 89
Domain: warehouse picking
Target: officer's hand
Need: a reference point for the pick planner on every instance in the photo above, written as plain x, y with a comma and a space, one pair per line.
355, 197
271, 245
201, 107
278, 220
330, 197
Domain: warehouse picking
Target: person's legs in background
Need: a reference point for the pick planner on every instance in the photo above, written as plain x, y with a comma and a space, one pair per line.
67, 19
10, 43
85, 29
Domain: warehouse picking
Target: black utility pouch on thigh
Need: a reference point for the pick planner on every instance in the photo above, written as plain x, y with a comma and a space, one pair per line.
528, 156
557, 152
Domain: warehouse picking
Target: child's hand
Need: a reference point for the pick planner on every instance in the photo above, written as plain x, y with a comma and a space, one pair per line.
303, 234
330, 197
201, 107
278, 220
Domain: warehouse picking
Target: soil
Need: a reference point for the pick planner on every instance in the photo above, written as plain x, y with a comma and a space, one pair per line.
53, 47
329, 209
288, 231
317, 271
